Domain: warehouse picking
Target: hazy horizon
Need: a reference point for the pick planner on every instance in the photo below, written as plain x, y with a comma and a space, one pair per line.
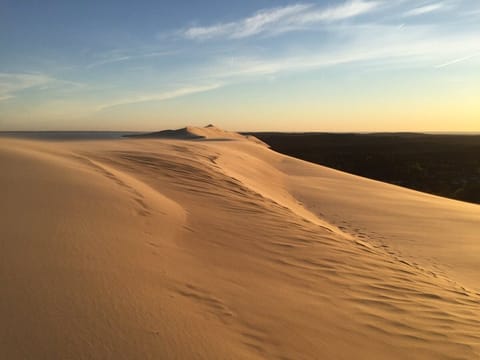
293, 66
121, 132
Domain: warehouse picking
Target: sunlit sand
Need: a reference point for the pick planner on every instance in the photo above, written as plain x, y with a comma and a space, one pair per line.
204, 244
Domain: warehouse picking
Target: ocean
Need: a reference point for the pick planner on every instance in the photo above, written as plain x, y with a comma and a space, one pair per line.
66, 135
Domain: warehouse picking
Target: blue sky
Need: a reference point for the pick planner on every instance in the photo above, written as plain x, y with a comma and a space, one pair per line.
358, 65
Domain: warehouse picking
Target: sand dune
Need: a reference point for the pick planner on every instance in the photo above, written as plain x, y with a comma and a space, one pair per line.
209, 132
176, 249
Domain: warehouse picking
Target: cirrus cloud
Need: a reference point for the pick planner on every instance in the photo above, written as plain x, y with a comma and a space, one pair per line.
11, 83
281, 19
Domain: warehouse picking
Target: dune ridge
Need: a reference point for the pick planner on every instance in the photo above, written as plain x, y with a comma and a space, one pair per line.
166, 248
209, 132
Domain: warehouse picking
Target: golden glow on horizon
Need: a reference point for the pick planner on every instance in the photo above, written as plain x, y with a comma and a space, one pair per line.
443, 117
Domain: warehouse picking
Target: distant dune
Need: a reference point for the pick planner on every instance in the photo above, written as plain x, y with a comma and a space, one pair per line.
209, 132
177, 245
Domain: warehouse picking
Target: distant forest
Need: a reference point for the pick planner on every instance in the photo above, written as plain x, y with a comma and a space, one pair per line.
445, 165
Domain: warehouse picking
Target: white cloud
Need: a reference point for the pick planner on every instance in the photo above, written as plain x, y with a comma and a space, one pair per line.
281, 19
161, 96
263, 19
413, 46
426, 9
370, 45
347, 10
116, 58
252, 25
10, 83
458, 60
209, 32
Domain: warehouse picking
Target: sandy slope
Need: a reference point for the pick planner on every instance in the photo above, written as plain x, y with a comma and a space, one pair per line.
174, 249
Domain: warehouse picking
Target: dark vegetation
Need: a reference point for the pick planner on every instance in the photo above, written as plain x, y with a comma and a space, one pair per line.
445, 165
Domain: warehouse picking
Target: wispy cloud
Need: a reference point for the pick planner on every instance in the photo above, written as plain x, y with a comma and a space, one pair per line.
458, 60
414, 46
281, 19
426, 9
117, 58
11, 83
161, 96
347, 10
257, 23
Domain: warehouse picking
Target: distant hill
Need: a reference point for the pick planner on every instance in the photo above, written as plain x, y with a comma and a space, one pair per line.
209, 132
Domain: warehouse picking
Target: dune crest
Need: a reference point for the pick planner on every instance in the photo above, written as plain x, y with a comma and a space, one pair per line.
209, 132
170, 249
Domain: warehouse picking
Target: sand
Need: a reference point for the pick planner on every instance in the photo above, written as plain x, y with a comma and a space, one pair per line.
212, 246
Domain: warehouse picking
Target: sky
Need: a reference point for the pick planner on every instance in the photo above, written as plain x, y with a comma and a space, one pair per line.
335, 65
